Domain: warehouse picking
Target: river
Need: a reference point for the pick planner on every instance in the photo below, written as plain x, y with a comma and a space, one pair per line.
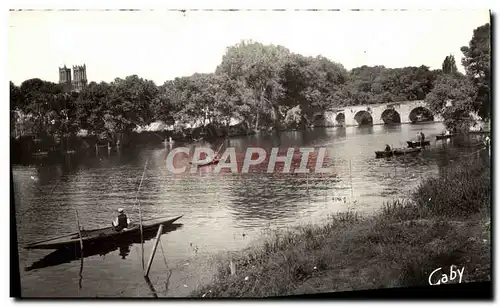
221, 212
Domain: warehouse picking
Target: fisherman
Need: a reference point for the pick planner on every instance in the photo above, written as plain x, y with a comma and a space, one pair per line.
419, 137
387, 148
487, 141
122, 221
422, 136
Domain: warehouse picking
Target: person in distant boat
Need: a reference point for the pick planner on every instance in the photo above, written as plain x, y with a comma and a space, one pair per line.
487, 141
122, 221
419, 137
387, 148
422, 137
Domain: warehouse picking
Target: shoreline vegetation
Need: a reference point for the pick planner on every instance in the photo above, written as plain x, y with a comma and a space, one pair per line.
445, 222
255, 88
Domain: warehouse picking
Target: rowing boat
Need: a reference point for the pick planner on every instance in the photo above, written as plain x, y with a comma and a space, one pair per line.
478, 132
413, 144
40, 154
397, 152
66, 255
205, 162
444, 136
101, 234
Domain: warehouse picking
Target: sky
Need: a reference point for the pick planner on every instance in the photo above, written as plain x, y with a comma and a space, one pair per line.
161, 45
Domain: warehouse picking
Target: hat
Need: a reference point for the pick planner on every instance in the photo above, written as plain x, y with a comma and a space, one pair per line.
120, 210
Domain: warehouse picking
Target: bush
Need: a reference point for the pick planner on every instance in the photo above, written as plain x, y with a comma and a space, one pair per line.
459, 192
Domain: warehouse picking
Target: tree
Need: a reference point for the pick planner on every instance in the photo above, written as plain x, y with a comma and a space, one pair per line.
293, 117
313, 83
477, 63
40, 102
91, 107
378, 84
131, 101
162, 105
260, 68
449, 66
15, 97
453, 98
15, 103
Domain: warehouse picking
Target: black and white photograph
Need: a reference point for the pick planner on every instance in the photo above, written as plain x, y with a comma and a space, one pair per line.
250, 153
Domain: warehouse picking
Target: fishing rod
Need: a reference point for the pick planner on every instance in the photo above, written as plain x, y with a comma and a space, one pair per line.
140, 213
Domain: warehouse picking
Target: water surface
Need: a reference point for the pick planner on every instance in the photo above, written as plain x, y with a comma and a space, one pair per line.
221, 212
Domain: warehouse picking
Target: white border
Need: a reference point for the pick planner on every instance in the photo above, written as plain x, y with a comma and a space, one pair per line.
200, 4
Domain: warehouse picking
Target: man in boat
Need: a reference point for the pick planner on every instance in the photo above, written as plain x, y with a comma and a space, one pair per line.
487, 141
387, 148
419, 137
422, 137
122, 221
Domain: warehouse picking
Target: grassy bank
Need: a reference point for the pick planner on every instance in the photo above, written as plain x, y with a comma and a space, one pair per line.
445, 222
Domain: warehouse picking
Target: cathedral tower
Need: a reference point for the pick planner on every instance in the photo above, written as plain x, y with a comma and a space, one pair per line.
65, 78
79, 77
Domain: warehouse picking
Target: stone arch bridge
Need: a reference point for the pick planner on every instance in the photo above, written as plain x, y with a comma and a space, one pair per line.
377, 114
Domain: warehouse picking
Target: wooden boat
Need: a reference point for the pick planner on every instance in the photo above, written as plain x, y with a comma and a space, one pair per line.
471, 145
67, 255
205, 162
478, 132
413, 144
40, 154
101, 234
444, 136
397, 152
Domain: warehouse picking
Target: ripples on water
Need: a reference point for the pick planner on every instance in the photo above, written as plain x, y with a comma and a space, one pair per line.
221, 211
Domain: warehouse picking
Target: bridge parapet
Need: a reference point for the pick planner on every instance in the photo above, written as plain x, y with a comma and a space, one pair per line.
334, 117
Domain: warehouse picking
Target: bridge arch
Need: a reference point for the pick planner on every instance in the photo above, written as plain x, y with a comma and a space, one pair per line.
420, 114
391, 116
319, 119
363, 118
340, 119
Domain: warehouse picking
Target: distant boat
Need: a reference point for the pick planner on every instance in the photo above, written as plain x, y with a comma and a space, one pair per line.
95, 235
444, 136
479, 132
206, 162
413, 144
396, 152
40, 154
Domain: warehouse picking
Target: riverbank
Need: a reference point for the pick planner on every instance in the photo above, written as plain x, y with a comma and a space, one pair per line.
26, 147
445, 222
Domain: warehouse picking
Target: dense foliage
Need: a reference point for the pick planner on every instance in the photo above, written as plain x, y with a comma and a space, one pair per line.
262, 86
454, 96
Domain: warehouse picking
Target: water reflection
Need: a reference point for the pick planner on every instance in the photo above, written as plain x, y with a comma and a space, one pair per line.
123, 245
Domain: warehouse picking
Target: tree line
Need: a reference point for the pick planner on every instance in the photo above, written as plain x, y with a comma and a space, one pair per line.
263, 86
